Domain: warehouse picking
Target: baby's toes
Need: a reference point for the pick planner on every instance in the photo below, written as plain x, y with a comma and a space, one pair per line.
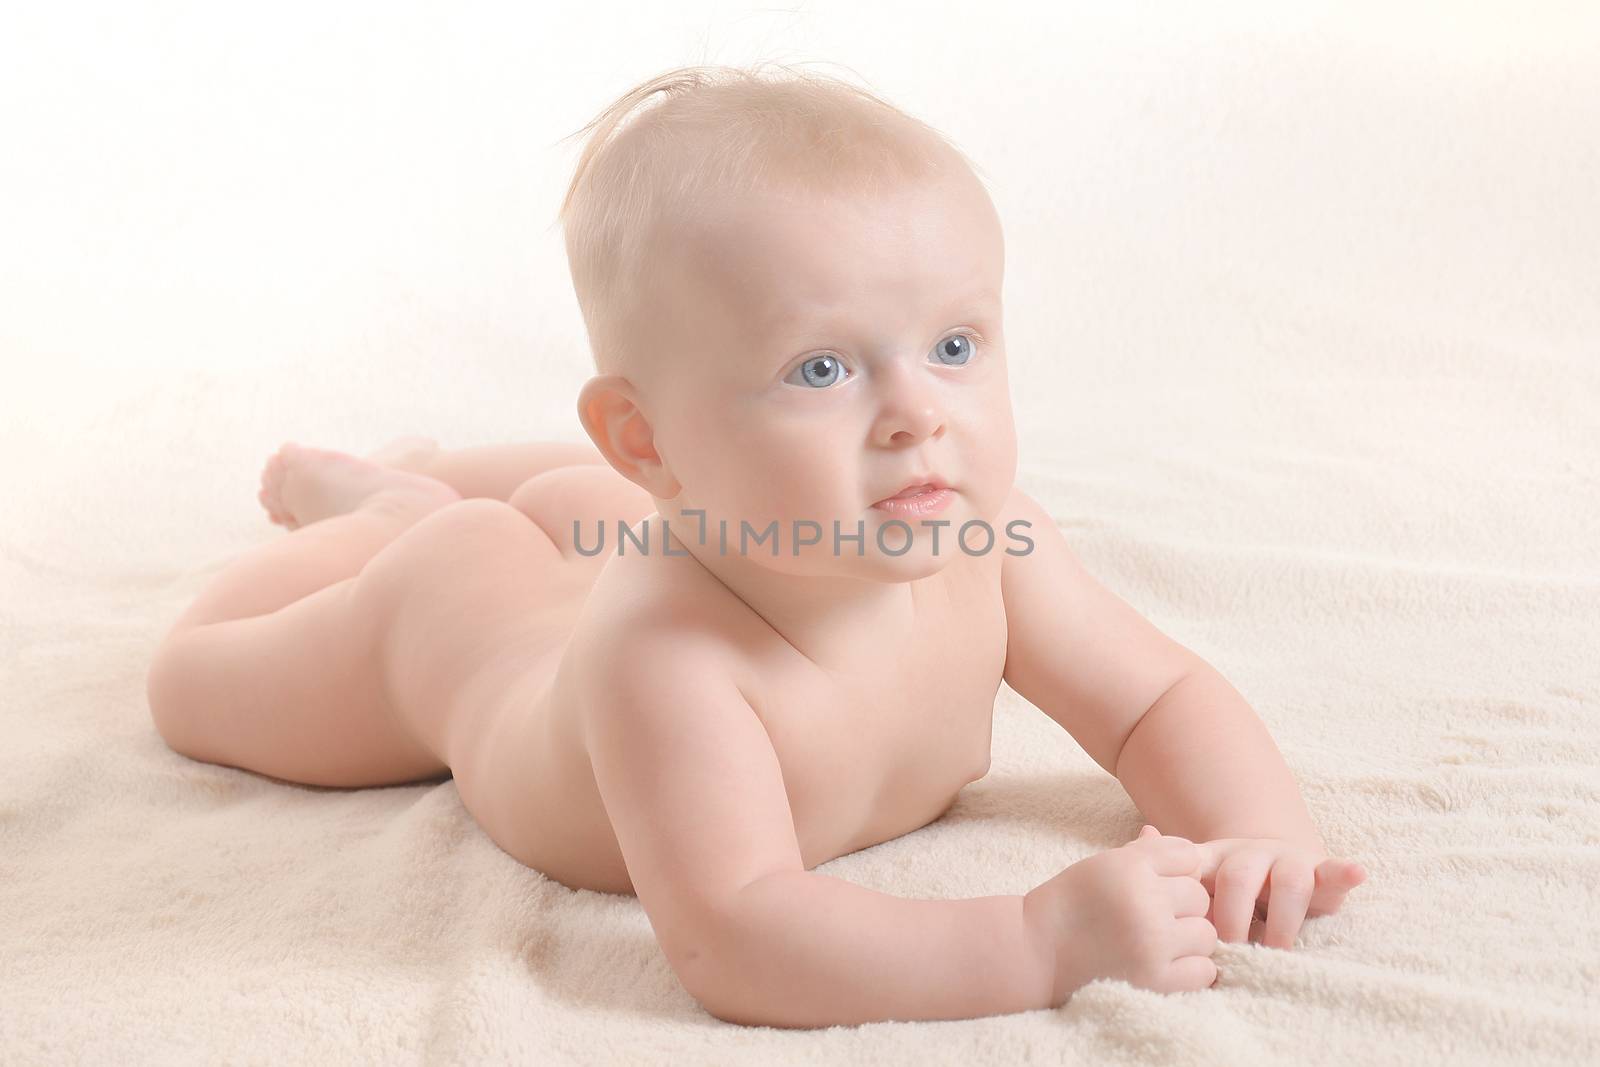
272, 512
271, 492
269, 504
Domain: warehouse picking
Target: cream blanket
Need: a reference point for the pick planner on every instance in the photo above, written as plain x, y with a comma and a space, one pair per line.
1304, 330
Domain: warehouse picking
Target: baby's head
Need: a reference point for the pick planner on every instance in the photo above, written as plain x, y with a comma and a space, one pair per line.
793, 296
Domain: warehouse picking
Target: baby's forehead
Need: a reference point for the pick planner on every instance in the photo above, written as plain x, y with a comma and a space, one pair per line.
756, 269
735, 220
802, 250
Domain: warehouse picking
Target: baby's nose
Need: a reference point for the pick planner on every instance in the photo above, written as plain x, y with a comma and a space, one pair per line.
910, 418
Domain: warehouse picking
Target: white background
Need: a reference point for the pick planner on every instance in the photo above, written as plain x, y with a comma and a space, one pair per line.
228, 225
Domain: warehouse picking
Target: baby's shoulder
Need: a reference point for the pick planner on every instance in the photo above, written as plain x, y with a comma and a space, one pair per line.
649, 608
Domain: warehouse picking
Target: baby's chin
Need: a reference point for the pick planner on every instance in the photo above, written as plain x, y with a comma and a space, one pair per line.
819, 561
910, 567
872, 547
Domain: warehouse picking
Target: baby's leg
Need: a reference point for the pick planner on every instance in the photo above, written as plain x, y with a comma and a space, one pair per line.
493, 471
274, 668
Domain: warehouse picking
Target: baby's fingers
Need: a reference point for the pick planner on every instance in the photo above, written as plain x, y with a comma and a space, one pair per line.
1172, 855
1292, 882
1238, 885
1335, 879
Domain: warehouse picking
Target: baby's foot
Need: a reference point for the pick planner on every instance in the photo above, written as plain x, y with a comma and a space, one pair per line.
304, 485
408, 453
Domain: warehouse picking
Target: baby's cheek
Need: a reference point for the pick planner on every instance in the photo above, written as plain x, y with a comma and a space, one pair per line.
756, 498
998, 473
799, 484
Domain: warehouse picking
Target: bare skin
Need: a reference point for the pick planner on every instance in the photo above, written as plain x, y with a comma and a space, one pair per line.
431, 612
416, 621
527, 780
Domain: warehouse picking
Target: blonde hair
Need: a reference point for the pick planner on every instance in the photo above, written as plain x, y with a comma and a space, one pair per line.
718, 133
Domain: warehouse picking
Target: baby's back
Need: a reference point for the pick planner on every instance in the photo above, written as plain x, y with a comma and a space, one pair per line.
871, 745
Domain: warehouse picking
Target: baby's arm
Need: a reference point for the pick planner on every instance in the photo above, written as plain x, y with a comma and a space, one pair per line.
1194, 757
696, 796
1190, 752
1077, 651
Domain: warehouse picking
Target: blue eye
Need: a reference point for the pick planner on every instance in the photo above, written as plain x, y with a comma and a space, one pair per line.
955, 350
819, 372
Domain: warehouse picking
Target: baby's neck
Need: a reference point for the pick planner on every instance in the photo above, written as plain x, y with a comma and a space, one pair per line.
825, 618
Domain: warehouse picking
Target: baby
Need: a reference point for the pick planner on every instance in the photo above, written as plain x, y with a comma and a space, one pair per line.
762, 622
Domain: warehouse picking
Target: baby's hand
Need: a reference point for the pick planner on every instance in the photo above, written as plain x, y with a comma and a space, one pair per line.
1291, 880
1131, 913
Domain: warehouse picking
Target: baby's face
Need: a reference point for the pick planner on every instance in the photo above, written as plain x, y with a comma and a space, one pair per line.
825, 356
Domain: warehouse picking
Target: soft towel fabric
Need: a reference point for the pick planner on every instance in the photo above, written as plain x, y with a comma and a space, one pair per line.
1303, 318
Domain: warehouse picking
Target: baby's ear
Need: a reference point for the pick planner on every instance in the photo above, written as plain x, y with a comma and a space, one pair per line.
610, 412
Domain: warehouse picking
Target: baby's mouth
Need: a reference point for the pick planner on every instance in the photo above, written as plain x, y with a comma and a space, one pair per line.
923, 484
924, 499
915, 490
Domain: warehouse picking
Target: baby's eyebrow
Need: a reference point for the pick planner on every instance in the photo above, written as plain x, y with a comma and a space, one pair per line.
784, 319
